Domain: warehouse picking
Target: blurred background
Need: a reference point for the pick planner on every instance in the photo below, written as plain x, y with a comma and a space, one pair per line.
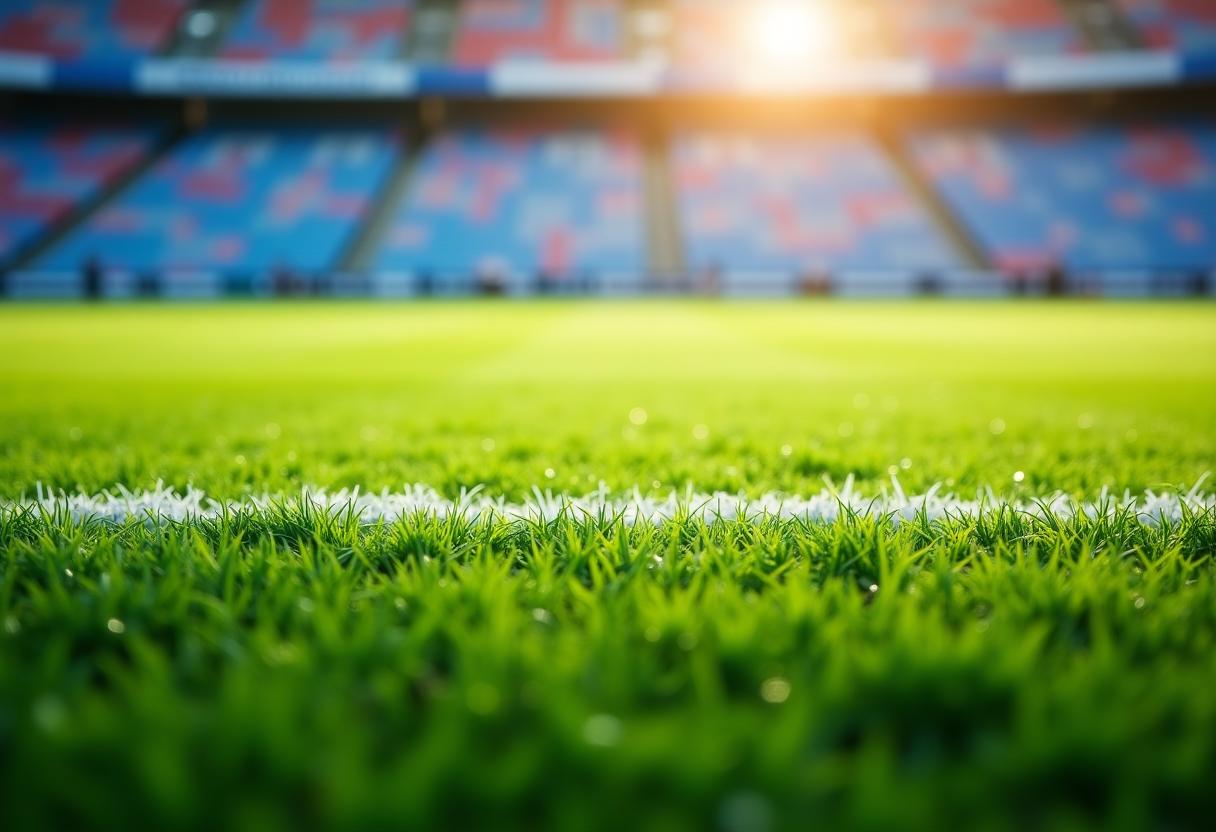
405, 148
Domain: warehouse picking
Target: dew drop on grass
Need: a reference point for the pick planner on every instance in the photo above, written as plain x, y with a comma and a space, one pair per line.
893, 470
115, 626
905, 463
700, 432
651, 634
997, 426
637, 416
240, 459
550, 473
787, 450
487, 445
775, 690
1018, 476
273, 430
603, 730
12, 626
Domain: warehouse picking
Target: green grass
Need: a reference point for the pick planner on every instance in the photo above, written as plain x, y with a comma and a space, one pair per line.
290, 669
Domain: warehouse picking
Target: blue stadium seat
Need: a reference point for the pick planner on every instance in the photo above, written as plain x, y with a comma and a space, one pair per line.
241, 199
1084, 198
329, 30
795, 202
1186, 25
83, 29
48, 169
523, 202
491, 31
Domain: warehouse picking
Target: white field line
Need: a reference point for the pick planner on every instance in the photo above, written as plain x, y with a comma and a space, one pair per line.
633, 507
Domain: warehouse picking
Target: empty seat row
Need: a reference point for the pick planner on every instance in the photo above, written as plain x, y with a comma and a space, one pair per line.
249, 198
1185, 25
697, 34
49, 169
561, 202
1085, 198
77, 29
335, 30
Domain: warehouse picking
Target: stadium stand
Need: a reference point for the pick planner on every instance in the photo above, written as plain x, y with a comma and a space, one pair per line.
524, 203
490, 31
1103, 198
1187, 25
330, 30
83, 29
951, 33
796, 203
240, 199
48, 169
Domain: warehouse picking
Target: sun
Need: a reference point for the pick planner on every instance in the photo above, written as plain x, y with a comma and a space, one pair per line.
787, 32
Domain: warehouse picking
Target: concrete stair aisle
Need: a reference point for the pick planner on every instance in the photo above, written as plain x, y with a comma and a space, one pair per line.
665, 249
970, 253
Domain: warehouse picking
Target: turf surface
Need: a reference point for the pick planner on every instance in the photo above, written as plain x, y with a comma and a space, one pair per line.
259, 396
295, 669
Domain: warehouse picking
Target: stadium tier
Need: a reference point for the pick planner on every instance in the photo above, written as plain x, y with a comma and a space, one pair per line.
48, 170
492, 31
329, 30
1083, 198
240, 199
1186, 25
715, 33
78, 29
976, 32
798, 203
522, 204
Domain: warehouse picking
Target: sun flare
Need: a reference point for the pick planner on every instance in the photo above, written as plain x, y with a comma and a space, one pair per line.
787, 32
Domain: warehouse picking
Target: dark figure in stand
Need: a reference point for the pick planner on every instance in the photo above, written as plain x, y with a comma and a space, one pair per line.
929, 285
92, 275
815, 282
1057, 281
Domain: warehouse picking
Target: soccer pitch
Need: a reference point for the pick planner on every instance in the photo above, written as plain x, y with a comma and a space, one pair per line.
1031, 645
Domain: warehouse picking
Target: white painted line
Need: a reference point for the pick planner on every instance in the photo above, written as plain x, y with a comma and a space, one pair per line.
631, 507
